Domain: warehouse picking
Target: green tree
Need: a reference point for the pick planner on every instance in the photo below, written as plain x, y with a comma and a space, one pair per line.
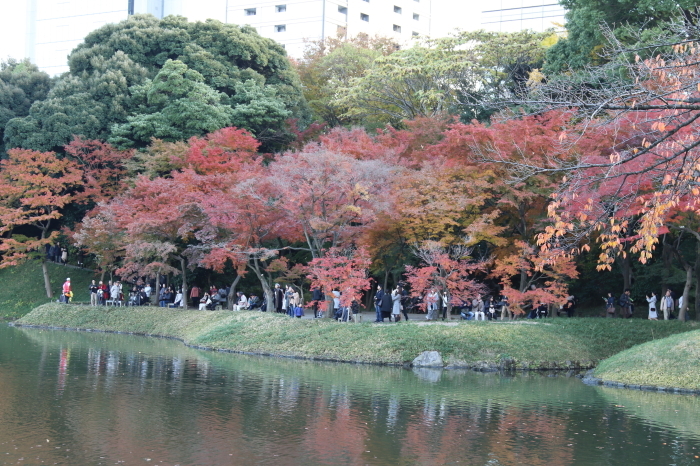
86, 104
448, 75
175, 106
21, 84
257, 109
107, 85
585, 41
330, 64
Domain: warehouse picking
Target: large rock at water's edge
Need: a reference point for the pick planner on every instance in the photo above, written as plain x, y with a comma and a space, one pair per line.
428, 359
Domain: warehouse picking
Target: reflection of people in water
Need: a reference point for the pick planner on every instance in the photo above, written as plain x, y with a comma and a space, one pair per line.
63, 369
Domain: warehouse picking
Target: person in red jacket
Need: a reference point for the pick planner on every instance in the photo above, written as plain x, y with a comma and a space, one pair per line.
66, 290
194, 296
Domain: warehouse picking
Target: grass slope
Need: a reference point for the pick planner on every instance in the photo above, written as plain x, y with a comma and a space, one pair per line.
668, 362
556, 343
23, 286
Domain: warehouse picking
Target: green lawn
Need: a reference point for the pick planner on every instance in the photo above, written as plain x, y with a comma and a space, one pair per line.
667, 362
23, 287
524, 344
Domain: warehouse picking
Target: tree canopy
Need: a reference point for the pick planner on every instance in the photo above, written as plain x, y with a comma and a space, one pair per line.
118, 72
21, 84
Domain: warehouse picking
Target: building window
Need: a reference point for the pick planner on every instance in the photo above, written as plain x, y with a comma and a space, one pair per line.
280, 8
397, 28
280, 28
397, 9
251, 11
364, 17
416, 16
343, 10
366, 1
414, 34
130, 7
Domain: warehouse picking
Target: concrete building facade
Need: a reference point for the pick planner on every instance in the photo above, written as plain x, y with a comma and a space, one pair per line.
292, 22
52, 28
55, 27
517, 15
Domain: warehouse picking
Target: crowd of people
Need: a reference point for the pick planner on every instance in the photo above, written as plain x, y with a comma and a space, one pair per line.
394, 306
624, 305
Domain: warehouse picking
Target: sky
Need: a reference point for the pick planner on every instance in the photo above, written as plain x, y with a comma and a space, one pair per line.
447, 15
12, 28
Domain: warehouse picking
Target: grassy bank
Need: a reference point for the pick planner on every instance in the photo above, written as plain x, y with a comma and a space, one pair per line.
669, 362
23, 286
557, 343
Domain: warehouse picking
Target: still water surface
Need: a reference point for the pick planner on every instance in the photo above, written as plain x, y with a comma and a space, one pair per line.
75, 398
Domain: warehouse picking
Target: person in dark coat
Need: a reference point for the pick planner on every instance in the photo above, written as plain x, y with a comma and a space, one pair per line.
316, 297
378, 303
279, 297
386, 306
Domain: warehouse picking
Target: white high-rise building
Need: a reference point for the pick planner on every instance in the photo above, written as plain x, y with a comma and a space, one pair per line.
47, 30
292, 22
516, 15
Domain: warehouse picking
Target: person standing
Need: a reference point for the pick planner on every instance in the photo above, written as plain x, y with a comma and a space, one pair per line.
66, 290
405, 302
336, 304
317, 298
385, 306
652, 306
445, 300
667, 304
432, 301
64, 256
279, 298
93, 293
396, 304
625, 304
378, 303
505, 308
101, 293
114, 293
194, 296
609, 305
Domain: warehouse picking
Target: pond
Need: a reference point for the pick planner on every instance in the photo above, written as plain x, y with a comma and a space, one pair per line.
83, 398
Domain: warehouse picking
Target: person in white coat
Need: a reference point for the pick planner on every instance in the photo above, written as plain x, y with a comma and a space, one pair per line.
652, 306
396, 304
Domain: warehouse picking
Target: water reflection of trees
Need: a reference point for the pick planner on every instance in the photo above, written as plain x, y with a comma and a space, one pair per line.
161, 399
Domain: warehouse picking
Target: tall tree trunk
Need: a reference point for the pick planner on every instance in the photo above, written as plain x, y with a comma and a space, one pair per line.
686, 291
158, 286
697, 285
230, 300
45, 271
47, 280
183, 268
254, 265
626, 271
697, 280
